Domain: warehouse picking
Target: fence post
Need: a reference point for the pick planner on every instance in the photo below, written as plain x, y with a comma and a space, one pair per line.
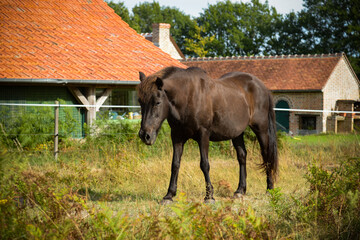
56, 132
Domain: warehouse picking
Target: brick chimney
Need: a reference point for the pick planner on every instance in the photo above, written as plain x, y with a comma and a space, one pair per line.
161, 38
161, 35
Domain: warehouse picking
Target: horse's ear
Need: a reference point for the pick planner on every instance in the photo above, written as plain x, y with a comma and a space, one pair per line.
159, 83
142, 76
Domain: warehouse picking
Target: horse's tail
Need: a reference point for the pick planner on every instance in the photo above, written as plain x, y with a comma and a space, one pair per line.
272, 157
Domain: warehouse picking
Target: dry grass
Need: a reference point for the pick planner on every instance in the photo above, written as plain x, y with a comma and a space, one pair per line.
131, 181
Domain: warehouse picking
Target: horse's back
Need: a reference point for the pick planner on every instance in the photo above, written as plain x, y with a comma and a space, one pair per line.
256, 93
246, 81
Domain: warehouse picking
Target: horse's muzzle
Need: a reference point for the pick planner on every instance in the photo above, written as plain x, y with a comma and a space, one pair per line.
147, 137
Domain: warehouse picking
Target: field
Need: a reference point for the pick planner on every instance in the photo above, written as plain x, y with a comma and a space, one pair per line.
109, 186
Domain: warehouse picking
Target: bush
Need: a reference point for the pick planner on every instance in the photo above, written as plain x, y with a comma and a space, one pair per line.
332, 205
34, 126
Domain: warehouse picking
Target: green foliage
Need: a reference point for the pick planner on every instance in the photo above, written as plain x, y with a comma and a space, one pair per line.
33, 127
198, 43
239, 28
119, 131
199, 221
31, 206
145, 14
288, 37
322, 27
121, 10
332, 206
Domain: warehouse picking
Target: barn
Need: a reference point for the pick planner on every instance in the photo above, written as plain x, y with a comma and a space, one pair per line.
309, 82
79, 51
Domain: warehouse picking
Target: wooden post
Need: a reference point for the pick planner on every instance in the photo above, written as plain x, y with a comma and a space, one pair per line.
91, 114
56, 132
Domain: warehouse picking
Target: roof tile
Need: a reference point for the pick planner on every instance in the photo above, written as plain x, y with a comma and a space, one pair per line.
68, 39
277, 72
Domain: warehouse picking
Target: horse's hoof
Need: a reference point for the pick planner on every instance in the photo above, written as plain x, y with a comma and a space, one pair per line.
209, 201
238, 195
166, 202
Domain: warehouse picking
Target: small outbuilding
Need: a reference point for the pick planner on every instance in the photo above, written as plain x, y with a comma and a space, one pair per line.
307, 82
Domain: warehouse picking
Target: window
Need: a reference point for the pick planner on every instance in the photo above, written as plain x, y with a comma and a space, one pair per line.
307, 124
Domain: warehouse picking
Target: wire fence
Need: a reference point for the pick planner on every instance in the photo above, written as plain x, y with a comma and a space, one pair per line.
136, 106
42, 121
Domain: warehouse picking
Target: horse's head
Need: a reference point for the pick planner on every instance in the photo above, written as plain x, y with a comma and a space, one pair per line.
154, 107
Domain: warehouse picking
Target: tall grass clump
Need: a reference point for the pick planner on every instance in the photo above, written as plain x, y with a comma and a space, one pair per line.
47, 205
330, 209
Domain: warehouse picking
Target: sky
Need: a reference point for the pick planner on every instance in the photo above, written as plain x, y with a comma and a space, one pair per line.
194, 7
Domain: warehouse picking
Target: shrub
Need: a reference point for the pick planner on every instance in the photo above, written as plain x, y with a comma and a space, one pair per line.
33, 126
332, 205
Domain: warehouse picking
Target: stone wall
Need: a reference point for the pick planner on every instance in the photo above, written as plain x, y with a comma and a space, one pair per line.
302, 100
342, 85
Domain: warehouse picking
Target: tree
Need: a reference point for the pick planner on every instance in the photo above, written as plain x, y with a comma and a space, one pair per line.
329, 26
239, 28
145, 14
334, 26
288, 37
198, 43
121, 10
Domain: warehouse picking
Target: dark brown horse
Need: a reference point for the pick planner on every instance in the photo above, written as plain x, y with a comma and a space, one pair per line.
204, 109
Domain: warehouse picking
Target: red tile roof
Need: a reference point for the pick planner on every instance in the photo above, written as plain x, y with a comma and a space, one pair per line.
309, 72
72, 39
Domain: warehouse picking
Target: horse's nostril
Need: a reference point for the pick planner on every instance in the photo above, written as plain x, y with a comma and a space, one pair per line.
147, 137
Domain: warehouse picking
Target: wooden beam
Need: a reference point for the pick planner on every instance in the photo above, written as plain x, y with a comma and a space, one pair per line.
103, 98
91, 98
79, 96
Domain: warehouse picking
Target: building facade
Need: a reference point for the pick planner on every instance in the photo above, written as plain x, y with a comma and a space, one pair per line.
298, 83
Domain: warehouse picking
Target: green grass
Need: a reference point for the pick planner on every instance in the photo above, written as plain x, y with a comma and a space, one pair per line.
323, 139
109, 186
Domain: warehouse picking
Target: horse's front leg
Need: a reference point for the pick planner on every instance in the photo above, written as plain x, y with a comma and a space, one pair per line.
239, 146
178, 147
205, 166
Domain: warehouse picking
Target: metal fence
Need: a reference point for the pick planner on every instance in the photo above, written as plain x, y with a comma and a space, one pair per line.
51, 123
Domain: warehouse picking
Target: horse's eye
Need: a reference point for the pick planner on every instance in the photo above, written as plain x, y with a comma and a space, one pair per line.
157, 103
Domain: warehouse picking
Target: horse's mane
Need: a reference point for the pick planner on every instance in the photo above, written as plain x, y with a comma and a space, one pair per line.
148, 84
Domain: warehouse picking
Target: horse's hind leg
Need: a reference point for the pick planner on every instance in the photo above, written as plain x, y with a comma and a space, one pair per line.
241, 153
205, 166
263, 138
